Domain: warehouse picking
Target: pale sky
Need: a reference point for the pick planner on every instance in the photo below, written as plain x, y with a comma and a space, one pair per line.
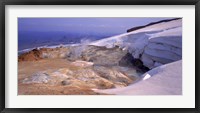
82, 24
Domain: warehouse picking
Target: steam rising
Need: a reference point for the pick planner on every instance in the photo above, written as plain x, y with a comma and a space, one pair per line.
76, 53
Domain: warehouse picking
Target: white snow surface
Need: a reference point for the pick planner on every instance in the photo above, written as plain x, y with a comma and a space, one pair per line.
162, 80
155, 45
159, 47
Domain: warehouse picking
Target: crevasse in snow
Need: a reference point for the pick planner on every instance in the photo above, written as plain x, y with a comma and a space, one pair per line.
154, 45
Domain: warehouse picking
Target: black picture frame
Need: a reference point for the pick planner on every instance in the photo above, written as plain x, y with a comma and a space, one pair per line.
98, 2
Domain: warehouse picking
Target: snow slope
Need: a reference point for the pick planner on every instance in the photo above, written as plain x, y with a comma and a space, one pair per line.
155, 45
159, 47
165, 80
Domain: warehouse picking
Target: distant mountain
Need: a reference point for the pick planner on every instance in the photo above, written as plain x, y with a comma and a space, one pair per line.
27, 39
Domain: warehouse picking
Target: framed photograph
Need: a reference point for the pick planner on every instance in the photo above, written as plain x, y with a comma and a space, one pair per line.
139, 56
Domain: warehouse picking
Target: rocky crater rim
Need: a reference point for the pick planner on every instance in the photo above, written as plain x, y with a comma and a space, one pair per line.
143, 48
87, 65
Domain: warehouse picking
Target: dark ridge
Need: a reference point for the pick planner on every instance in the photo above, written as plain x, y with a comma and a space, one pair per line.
139, 27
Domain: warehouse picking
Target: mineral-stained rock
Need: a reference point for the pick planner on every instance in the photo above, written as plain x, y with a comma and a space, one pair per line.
82, 63
99, 55
112, 74
44, 53
30, 56
93, 77
37, 78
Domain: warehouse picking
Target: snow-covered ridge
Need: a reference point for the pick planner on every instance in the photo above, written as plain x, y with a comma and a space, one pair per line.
155, 45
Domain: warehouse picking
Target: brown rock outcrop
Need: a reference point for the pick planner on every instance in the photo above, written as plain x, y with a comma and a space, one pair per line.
33, 55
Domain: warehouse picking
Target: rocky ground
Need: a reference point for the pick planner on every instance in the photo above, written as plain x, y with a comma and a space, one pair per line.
75, 70
109, 63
